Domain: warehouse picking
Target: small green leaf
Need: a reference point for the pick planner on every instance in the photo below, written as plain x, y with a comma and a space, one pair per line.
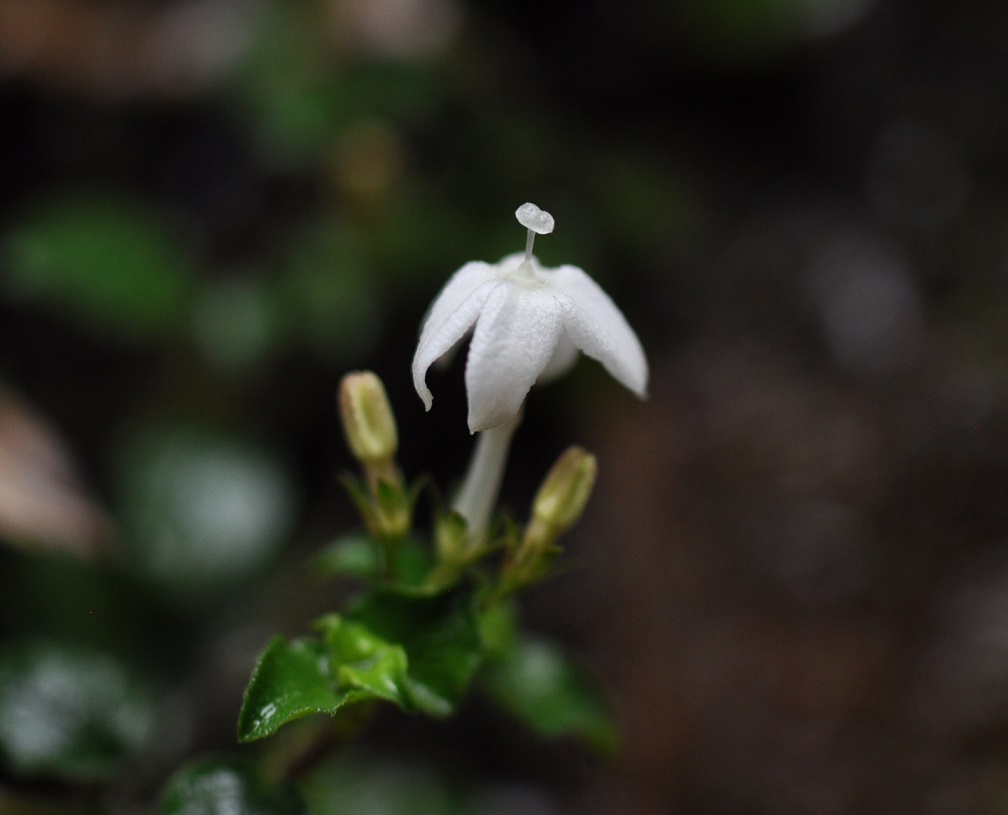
69, 712
417, 652
226, 787
360, 556
542, 686
365, 662
291, 680
441, 640
350, 556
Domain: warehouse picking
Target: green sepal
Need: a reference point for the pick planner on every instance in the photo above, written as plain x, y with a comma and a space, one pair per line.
394, 504
220, 786
451, 536
361, 497
457, 551
386, 508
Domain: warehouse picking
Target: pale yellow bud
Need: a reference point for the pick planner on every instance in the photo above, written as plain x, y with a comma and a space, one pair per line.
565, 491
557, 506
368, 422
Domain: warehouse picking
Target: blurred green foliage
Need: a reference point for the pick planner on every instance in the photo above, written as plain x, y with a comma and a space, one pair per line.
104, 261
223, 786
70, 713
541, 685
356, 783
200, 511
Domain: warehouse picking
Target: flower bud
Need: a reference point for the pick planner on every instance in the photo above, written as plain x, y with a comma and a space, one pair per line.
565, 491
557, 506
367, 419
451, 537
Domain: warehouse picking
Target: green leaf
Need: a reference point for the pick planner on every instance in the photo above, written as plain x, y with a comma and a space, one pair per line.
360, 556
107, 261
350, 556
226, 787
70, 712
542, 686
291, 680
365, 662
441, 640
417, 652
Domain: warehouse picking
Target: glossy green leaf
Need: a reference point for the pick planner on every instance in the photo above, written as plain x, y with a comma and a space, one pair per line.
106, 261
417, 652
543, 687
291, 680
226, 787
365, 662
69, 712
441, 640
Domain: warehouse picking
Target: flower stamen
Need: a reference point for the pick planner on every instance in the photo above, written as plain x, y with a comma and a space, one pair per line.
537, 221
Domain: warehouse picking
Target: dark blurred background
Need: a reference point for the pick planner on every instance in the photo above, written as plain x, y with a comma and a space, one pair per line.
792, 580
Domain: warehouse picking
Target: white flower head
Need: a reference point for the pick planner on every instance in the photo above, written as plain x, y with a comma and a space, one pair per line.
529, 323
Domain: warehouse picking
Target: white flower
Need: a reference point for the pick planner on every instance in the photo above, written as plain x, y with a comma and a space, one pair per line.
529, 322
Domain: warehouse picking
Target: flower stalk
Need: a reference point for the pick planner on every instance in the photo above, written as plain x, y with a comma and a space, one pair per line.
477, 497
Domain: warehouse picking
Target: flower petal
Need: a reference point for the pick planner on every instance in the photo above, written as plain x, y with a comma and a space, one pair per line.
599, 328
450, 316
562, 361
515, 337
